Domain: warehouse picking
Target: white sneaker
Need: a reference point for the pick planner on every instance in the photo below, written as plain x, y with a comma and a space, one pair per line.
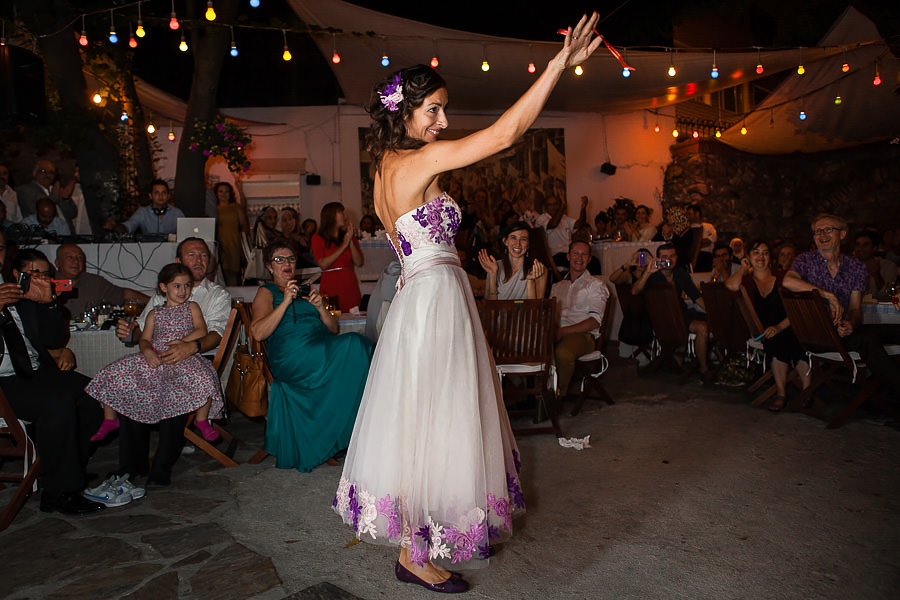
188, 449
108, 495
123, 484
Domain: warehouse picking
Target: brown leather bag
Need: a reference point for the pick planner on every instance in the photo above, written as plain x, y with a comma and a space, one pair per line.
247, 388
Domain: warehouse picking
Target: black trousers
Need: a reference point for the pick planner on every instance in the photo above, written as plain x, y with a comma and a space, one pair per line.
134, 446
869, 341
64, 419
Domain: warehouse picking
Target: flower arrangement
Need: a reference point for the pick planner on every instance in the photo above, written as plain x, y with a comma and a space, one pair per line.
220, 137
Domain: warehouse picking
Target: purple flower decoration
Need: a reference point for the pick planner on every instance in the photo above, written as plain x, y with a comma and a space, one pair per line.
484, 551
418, 553
405, 246
206, 153
387, 507
515, 491
355, 508
392, 94
220, 127
466, 542
493, 532
517, 460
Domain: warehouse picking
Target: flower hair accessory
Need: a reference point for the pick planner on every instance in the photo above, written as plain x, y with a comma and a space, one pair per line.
392, 94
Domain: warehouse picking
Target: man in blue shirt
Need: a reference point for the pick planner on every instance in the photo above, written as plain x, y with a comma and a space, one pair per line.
158, 217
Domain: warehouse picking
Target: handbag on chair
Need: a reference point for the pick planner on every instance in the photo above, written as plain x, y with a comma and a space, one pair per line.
247, 388
256, 266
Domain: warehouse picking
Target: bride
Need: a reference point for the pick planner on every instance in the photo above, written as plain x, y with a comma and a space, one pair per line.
432, 464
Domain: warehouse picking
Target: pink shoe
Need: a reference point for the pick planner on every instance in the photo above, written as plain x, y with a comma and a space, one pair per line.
209, 434
106, 428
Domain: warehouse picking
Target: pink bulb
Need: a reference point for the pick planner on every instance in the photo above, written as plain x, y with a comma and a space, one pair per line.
83, 40
174, 24
759, 69
335, 58
876, 81
435, 62
531, 68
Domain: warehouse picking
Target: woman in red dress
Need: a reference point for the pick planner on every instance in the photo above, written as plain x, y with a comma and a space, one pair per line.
337, 251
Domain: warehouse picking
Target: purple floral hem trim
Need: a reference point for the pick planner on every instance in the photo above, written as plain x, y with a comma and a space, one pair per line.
427, 540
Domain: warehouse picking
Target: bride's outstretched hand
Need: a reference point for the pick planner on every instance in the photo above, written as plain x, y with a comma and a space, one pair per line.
578, 45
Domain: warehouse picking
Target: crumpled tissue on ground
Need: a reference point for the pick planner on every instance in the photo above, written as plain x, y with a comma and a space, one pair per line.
577, 443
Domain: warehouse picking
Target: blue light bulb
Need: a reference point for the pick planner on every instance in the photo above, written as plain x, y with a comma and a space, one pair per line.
234, 51
254, 3
113, 37
714, 73
626, 73
385, 61
802, 115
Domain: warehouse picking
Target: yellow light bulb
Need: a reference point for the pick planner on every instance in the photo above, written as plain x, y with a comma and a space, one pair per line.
485, 66
579, 70
671, 71
743, 131
674, 133
801, 70
718, 133
286, 55
151, 128
171, 136
183, 46
210, 11
97, 98
140, 31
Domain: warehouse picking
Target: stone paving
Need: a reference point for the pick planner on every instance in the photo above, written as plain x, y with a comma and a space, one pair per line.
686, 493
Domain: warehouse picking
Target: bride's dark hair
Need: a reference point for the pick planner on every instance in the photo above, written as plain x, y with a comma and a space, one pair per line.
388, 129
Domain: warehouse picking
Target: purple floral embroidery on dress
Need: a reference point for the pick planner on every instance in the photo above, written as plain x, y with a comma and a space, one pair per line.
355, 508
493, 532
515, 491
517, 461
387, 507
452, 219
405, 246
500, 506
484, 551
418, 552
466, 541
431, 216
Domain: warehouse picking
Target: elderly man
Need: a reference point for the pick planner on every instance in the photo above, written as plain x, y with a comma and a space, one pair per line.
582, 301
156, 218
41, 392
880, 270
664, 270
46, 218
215, 304
87, 288
841, 280
8, 196
42, 186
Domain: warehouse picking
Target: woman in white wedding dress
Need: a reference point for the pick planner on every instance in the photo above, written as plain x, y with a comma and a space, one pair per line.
432, 464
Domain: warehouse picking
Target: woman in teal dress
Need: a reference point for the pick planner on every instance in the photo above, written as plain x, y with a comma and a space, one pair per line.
318, 376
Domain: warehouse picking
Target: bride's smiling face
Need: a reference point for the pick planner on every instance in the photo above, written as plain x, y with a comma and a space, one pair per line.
428, 120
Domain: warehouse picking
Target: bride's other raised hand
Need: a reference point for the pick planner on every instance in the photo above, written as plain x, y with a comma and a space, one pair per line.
579, 44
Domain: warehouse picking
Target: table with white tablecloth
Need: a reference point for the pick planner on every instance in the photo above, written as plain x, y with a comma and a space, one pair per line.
880, 313
378, 254
612, 255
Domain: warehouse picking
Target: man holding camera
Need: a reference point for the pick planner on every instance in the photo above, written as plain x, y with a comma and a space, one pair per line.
663, 270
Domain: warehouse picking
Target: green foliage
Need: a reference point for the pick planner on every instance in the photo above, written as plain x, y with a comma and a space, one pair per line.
220, 137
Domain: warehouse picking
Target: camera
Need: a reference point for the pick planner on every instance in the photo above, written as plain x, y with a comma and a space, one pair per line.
642, 259
663, 263
24, 281
304, 289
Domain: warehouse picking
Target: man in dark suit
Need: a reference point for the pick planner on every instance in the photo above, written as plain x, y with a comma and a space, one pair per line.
43, 185
64, 416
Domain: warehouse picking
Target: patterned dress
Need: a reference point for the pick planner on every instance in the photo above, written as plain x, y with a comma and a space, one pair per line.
432, 464
146, 395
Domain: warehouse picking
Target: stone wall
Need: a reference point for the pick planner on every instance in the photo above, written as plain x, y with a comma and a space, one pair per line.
752, 196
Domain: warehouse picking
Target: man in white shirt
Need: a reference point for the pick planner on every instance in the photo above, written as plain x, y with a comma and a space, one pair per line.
8, 197
581, 302
215, 304
559, 227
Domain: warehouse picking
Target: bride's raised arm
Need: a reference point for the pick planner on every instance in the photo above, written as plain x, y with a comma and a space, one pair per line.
445, 155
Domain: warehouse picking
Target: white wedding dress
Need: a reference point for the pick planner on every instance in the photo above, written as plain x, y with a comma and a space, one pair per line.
432, 464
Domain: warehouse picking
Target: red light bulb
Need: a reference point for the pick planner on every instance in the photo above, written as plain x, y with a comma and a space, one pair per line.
83, 40
877, 80
132, 43
759, 69
531, 68
335, 58
435, 62
173, 23
845, 67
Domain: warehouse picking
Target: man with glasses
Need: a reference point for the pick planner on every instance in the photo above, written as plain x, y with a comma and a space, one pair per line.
722, 265
841, 281
43, 186
47, 219
8, 196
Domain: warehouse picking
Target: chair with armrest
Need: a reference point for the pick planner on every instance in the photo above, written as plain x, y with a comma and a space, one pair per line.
15, 445
671, 331
590, 367
521, 335
226, 347
830, 362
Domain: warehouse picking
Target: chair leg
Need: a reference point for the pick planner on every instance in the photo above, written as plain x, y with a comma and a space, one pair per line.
224, 458
22, 492
858, 400
258, 457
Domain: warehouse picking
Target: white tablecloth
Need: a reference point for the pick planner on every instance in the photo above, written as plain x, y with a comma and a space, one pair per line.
612, 255
378, 254
881, 313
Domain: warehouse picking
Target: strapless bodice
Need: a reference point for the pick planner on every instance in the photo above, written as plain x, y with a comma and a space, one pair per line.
431, 226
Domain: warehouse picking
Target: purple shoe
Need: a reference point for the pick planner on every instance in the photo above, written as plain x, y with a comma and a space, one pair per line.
453, 585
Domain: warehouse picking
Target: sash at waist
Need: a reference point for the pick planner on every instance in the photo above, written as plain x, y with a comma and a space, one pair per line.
424, 265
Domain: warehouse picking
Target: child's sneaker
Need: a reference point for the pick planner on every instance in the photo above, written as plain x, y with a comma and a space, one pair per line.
108, 495
209, 434
107, 427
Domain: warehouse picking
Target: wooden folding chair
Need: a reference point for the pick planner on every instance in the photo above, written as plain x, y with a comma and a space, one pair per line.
633, 306
672, 333
830, 361
226, 347
726, 326
15, 445
521, 335
590, 367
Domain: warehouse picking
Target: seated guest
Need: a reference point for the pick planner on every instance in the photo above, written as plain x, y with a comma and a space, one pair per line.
558, 226
581, 302
601, 224
785, 253
636, 329
632, 270
664, 270
737, 250
367, 226
640, 230
880, 270
518, 275
44, 185
88, 289
42, 392
319, 376
709, 237
761, 282
722, 267
156, 218
46, 218
841, 280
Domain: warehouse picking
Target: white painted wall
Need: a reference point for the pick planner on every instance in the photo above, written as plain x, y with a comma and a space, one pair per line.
327, 137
